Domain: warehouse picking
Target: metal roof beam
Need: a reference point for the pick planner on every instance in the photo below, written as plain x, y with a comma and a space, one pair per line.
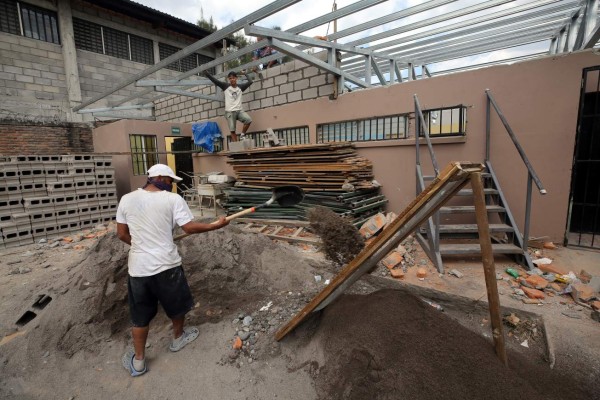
389, 18
173, 82
264, 12
132, 107
188, 94
429, 21
432, 35
312, 60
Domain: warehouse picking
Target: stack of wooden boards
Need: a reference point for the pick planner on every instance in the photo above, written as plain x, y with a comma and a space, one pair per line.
331, 174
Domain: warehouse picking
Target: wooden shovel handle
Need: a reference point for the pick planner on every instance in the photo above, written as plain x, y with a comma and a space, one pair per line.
228, 218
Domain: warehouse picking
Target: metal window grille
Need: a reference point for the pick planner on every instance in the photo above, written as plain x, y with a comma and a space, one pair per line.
165, 50
9, 17
39, 23
218, 143
143, 153
112, 42
289, 136
141, 50
88, 36
188, 62
116, 43
363, 130
449, 121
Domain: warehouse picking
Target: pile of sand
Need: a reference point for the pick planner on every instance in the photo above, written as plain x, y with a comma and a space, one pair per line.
392, 345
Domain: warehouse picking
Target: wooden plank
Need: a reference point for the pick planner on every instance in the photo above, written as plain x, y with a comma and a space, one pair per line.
450, 180
298, 231
282, 222
294, 239
488, 266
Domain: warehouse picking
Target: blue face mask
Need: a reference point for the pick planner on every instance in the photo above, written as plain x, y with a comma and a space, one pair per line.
161, 185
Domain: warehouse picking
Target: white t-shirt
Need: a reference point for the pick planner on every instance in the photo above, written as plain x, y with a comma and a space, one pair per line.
233, 98
151, 218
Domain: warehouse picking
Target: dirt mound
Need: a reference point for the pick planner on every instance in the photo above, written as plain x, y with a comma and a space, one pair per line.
391, 345
225, 268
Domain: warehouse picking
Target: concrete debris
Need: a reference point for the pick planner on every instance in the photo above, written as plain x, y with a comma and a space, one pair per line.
542, 261
456, 273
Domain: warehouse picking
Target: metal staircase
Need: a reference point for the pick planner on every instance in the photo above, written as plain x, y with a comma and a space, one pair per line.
452, 230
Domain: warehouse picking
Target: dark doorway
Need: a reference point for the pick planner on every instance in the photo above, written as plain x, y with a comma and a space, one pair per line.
184, 167
584, 216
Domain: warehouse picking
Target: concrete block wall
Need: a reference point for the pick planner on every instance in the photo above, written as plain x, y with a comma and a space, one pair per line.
32, 79
98, 73
50, 196
283, 84
43, 138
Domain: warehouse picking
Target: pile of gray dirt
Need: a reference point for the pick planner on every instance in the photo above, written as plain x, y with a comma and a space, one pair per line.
89, 305
392, 345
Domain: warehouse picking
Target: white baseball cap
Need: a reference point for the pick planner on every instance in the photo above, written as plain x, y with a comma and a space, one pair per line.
162, 170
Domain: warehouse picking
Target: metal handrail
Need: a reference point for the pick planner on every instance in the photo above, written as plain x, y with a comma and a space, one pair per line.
531, 174
492, 101
420, 123
433, 222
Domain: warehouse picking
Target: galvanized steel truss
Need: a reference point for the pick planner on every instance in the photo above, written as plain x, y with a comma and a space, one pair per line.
389, 56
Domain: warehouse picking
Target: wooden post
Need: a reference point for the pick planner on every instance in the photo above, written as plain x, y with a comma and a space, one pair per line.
488, 265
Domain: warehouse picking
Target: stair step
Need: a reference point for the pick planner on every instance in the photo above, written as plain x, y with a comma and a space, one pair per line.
469, 209
469, 192
475, 248
472, 228
432, 177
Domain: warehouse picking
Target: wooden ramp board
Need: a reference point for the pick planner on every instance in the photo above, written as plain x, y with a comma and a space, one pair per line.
450, 180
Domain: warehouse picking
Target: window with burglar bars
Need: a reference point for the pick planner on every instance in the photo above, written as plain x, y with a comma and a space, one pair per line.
288, 136
218, 146
112, 42
363, 130
143, 153
450, 121
185, 64
36, 23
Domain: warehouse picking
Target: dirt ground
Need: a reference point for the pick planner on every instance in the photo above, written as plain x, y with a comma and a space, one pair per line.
64, 327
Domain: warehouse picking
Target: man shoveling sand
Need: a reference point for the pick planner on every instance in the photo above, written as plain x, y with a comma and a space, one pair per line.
145, 221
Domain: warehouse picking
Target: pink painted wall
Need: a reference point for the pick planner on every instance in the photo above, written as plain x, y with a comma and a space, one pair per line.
114, 138
540, 99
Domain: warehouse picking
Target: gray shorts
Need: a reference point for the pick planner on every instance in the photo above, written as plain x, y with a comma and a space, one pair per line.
233, 116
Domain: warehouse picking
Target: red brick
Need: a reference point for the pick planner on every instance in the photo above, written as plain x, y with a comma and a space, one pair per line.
421, 273
237, 343
533, 293
582, 292
397, 273
537, 282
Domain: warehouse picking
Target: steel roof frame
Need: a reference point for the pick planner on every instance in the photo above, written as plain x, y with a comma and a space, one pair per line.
461, 33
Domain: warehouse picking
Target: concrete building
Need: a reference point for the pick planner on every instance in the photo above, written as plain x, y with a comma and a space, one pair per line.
54, 54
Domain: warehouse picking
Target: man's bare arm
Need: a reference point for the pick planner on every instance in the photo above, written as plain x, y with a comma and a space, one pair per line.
123, 233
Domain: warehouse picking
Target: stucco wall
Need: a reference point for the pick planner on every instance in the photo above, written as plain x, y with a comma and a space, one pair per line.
114, 138
540, 99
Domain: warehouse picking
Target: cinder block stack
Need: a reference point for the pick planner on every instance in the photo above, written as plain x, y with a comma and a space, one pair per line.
49, 196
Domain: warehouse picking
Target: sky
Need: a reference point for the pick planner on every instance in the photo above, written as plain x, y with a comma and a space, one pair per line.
225, 12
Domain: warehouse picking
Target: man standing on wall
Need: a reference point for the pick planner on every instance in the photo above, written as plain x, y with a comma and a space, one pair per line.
233, 102
145, 221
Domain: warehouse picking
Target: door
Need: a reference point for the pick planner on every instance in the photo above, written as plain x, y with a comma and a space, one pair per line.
184, 167
584, 216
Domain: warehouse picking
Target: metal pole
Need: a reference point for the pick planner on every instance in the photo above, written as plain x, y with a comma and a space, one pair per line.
487, 125
527, 212
488, 266
417, 130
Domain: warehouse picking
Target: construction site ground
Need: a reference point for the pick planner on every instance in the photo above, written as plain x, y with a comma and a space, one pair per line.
378, 340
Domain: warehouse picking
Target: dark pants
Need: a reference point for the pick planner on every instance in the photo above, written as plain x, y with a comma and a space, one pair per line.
169, 288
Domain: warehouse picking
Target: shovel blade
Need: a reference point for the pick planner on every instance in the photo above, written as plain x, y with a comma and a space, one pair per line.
287, 196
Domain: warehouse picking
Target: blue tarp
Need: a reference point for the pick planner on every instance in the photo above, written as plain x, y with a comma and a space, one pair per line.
205, 134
